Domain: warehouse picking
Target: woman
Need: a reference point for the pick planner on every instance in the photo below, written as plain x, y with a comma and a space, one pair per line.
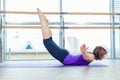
63, 55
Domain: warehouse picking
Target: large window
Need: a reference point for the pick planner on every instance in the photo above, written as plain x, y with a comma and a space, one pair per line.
81, 21
23, 33
85, 24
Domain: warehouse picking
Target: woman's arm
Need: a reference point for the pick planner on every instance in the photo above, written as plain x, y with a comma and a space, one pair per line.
87, 56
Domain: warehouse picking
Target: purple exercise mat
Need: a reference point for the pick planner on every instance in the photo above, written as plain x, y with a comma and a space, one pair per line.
25, 65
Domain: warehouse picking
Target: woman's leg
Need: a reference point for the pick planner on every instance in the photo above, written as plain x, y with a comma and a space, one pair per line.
44, 25
50, 45
55, 50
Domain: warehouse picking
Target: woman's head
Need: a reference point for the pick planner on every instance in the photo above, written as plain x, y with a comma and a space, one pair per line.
99, 52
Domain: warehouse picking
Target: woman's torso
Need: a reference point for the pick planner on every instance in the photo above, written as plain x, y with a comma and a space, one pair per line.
75, 60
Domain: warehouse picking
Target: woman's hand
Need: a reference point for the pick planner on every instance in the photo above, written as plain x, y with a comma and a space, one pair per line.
88, 57
83, 48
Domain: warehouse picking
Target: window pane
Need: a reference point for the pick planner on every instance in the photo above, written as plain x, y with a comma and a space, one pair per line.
26, 41
27, 44
117, 42
20, 19
87, 19
91, 37
117, 31
86, 6
89, 6
30, 5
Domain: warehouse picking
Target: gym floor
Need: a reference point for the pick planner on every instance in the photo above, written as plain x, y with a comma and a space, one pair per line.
53, 70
